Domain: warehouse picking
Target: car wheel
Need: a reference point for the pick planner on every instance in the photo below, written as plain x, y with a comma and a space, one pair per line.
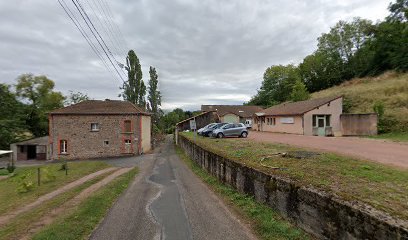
220, 135
244, 134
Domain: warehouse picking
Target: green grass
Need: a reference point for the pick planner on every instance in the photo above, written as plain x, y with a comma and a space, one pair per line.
11, 199
80, 223
390, 88
19, 225
266, 223
396, 137
380, 186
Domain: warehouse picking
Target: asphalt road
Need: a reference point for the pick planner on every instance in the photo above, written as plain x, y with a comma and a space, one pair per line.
167, 201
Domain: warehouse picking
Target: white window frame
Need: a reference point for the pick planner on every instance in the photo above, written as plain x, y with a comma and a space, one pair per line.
63, 146
93, 129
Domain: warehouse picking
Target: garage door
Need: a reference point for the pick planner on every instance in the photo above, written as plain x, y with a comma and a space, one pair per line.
231, 118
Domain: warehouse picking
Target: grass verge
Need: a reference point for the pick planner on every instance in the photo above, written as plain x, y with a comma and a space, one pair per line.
266, 223
80, 223
21, 224
11, 199
396, 137
383, 187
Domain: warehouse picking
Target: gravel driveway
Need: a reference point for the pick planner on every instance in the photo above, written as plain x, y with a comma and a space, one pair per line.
390, 153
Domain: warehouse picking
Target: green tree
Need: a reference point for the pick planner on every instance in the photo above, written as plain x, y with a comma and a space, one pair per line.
276, 85
75, 97
299, 92
38, 92
134, 88
12, 122
154, 96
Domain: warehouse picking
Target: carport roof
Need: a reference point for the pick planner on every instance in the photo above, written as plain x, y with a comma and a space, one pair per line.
239, 110
298, 108
34, 141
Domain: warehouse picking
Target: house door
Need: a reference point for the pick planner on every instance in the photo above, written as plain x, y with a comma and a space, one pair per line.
128, 147
321, 125
31, 152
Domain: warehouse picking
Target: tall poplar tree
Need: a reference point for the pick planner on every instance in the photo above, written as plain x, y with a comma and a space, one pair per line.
134, 89
154, 96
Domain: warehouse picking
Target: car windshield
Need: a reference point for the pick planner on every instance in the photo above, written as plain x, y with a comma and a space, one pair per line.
211, 125
218, 125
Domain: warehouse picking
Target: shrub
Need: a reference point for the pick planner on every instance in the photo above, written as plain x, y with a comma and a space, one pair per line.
25, 183
47, 175
10, 168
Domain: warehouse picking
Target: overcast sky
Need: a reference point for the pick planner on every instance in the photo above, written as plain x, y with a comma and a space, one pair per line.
205, 52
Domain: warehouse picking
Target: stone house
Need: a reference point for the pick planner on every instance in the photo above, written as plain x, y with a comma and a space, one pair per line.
95, 129
320, 116
232, 113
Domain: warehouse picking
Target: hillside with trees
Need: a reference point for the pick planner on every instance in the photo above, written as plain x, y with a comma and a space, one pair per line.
355, 49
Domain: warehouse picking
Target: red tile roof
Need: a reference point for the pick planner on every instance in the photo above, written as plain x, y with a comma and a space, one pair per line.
298, 108
101, 107
239, 110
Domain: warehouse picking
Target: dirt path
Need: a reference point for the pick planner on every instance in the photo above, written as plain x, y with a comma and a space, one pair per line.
8, 216
389, 153
72, 203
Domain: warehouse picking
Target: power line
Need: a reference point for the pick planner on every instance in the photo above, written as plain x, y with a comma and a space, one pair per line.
79, 8
105, 28
108, 10
83, 33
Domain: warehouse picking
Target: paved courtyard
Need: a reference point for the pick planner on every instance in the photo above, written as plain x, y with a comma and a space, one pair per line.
382, 151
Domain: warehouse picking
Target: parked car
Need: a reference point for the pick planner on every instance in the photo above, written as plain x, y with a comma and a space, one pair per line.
199, 131
231, 129
208, 132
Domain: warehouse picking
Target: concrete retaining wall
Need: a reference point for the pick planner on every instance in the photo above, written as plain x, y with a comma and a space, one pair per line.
359, 124
318, 213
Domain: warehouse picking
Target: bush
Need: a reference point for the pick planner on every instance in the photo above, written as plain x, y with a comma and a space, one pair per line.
25, 183
10, 168
47, 175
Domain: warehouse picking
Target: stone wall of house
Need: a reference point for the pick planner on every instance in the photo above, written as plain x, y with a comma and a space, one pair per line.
319, 213
359, 124
83, 143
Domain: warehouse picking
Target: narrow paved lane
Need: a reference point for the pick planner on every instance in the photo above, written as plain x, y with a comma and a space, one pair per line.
167, 201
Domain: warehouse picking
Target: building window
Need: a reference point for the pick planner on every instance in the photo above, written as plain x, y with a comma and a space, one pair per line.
273, 121
128, 141
63, 146
128, 126
94, 127
106, 142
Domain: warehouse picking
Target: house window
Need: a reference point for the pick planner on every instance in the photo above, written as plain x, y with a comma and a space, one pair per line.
128, 141
106, 142
63, 146
267, 121
273, 121
94, 127
128, 126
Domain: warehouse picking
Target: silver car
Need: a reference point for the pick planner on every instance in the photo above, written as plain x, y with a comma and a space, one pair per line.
231, 129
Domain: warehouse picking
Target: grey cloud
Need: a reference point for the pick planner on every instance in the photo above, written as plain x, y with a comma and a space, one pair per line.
194, 45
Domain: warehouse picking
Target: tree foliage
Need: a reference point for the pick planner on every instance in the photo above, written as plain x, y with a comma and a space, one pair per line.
299, 92
154, 96
12, 122
38, 92
350, 49
134, 89
75, 97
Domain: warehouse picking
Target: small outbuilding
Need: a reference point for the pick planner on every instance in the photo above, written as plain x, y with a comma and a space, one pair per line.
318, 117
33, 149
233, 113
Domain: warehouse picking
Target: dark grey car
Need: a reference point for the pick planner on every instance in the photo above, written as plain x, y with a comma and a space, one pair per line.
230, 130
